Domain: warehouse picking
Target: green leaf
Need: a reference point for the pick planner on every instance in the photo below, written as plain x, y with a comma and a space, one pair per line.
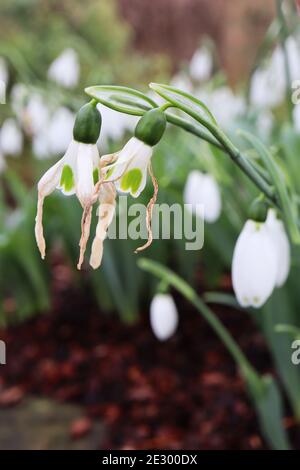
270, 414
122, 99
184, 101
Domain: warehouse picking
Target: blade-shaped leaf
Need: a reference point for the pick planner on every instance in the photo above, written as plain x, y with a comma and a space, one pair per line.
184, 101
122, 99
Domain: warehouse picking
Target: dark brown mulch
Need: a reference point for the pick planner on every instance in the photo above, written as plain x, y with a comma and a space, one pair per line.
182, 394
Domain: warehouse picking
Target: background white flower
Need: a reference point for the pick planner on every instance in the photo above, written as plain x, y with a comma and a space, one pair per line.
60, 130
201, 64
163, 316
65, 69
202, 192
11, 138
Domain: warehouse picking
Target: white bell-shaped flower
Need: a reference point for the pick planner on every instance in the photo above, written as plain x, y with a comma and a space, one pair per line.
11, 138
281, 241
201, 64
254, 265
77, 172
65, 69
202, 194
129, 173
163, 316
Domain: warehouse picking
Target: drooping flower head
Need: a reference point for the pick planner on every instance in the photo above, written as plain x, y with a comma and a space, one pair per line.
131, 166
80, 171
255, 260
133, 162
76, 172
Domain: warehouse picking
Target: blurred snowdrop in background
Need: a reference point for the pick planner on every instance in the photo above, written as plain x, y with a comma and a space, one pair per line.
202, 193
163, 316
201, 65
11, 138
65, 69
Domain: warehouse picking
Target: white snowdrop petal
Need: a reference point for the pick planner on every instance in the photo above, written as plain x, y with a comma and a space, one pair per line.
51, 178
254, 265
134, 157
281, 241
85, 181
163, 316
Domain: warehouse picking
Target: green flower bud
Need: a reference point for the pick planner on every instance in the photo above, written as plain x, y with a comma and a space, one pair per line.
151, 127
258, 210
87, 124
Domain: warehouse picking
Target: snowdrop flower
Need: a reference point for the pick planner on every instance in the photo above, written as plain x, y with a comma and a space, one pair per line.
293, 51
202, 194
268, 83
254, 265
55, 138
75, 173
163, 316
11, 138
281, 242
40, 146
18, 97
65, 69
36, 115
129, 172
60, 130
201, 65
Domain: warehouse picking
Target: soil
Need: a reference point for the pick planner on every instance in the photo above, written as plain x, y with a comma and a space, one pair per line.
185, 393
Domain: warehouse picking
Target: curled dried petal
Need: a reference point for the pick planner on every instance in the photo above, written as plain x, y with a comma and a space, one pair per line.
150, 206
